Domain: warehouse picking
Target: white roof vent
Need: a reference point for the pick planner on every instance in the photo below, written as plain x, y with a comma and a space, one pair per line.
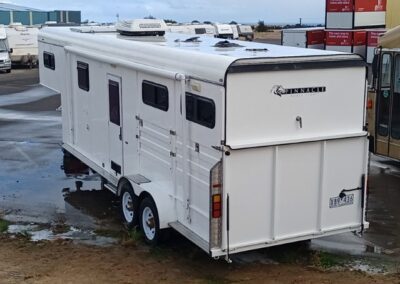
142, 27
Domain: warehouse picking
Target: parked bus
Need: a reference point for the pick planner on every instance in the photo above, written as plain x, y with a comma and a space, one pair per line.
384, 99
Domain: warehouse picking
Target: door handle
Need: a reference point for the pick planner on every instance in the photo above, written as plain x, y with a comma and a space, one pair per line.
299, 119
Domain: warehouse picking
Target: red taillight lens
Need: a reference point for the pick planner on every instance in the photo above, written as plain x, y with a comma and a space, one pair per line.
216, 206
370, 104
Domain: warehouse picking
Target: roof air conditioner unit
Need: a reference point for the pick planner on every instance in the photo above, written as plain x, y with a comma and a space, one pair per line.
142, 27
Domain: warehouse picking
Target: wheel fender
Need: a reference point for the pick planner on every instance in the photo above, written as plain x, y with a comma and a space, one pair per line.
164, 202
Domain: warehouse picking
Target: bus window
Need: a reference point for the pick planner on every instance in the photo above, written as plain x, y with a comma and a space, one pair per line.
383, 114
396, 101
386, 70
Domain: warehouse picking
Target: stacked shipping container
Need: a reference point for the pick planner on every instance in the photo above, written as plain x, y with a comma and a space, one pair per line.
346, 24
351, 26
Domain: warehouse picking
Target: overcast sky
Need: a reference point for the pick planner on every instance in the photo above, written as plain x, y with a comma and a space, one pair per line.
271, 11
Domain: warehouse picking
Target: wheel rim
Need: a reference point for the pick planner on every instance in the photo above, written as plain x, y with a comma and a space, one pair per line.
127, 207
149, 226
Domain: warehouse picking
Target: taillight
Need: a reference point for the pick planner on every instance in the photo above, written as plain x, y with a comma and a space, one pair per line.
216, 206
370, 104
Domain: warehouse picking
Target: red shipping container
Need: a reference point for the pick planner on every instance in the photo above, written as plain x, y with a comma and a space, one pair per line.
352, 41
351, 14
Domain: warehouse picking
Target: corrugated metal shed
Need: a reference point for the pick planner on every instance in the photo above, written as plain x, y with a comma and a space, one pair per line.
10, 13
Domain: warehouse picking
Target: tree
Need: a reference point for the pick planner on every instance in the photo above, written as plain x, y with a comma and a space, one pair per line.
195, 22
233, 23
261, 27
150, 17
207, 22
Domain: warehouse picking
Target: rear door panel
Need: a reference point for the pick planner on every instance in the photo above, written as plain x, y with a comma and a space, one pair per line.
279, 193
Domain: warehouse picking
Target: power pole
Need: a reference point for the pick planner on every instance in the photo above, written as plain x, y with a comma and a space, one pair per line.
301, 20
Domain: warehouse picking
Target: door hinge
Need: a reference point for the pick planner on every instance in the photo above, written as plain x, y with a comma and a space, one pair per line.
172, 132
120, 134
172, 154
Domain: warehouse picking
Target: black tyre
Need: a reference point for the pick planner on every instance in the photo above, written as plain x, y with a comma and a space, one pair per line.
149, 221
128, 206
8, 71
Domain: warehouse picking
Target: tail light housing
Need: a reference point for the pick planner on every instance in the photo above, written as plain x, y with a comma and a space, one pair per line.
216, 205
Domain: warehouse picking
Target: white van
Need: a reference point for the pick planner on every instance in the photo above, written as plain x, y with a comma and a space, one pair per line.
5, 61
236, 145
23, 42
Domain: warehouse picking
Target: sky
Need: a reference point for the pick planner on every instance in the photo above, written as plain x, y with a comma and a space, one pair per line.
244, 11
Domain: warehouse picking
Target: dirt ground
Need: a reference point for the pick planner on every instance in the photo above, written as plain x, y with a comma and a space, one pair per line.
272, 37
64, 262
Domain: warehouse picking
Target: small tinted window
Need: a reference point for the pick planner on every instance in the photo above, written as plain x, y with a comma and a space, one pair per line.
155, 95
48, 60
83, 76
200, 110
113, 96
200, 31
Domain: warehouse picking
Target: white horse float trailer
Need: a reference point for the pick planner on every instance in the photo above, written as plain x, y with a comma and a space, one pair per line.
236, 145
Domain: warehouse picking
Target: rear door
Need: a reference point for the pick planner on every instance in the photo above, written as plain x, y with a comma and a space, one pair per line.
296, 142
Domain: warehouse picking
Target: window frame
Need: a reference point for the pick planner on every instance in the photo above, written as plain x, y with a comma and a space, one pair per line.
195, 116
52, 64
113, 83
156, 94
83, 67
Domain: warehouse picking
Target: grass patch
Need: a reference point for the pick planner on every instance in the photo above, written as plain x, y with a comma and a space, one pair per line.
60, 228
326, 260
211, 279
4, 226
109, 233
132, 238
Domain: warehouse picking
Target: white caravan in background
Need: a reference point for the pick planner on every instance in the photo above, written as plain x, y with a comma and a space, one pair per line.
224, 31
5, 61
246, 31
236, 145
23, 42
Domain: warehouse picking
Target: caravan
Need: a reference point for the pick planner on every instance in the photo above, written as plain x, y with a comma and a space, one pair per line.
236, 145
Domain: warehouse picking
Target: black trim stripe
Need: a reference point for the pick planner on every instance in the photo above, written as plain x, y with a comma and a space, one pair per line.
236, 67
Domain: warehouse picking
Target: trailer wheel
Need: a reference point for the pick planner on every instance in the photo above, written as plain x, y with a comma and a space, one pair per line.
128, 206
149, 221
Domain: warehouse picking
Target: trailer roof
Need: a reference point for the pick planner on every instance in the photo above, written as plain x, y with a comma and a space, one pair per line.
200, 59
